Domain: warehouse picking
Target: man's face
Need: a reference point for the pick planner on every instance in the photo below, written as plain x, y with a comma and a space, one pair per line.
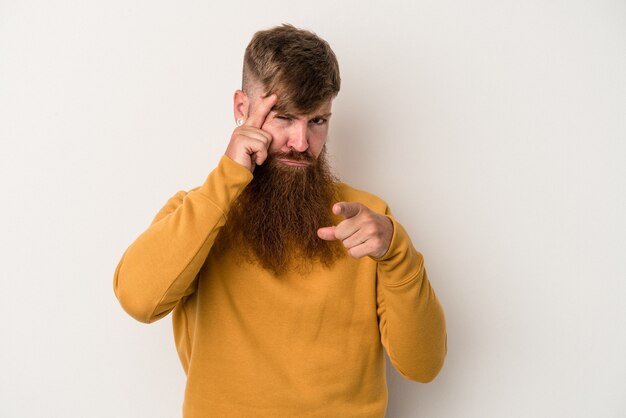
276, 217
298, 133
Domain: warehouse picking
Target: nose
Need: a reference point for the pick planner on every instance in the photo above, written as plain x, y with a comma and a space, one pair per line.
298, 137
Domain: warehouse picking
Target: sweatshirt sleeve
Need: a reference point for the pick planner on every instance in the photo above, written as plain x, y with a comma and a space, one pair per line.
411, 319
160, 267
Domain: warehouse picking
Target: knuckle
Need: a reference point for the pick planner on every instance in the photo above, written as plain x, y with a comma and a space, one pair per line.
369, 230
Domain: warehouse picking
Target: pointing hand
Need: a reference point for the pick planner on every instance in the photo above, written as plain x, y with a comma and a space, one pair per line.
363, 232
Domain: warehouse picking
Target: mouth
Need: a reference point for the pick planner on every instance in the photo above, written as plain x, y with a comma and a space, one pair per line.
293, 163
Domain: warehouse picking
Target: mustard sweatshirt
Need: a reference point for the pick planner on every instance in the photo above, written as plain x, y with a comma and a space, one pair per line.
253, 345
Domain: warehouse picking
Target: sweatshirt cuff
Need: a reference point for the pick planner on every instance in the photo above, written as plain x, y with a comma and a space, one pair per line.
225, 183
402, 262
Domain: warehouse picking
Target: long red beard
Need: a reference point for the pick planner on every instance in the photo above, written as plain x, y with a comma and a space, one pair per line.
274, 221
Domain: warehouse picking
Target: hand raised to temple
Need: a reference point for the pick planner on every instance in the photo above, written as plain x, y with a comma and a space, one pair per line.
249, 144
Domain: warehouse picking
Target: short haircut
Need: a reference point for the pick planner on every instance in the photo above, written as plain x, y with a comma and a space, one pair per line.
296, 64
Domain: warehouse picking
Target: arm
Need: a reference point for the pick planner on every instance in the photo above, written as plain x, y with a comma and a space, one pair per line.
411, 319
160, 267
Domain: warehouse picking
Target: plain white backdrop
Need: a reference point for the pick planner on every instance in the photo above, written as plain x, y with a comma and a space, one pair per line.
496, 130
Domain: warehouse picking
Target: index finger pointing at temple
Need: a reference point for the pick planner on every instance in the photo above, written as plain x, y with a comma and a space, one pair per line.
260, 111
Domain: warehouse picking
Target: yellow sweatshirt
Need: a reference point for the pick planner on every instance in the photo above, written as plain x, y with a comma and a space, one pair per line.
256, 346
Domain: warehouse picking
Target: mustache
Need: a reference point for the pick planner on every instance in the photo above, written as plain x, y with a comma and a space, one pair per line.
294, 156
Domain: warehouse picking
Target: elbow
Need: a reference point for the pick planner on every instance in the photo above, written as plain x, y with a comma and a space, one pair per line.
427, 367
436, 363
428, 375
133, 300
136, 309
424, 373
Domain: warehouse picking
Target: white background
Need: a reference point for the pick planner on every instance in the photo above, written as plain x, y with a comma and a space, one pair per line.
495, 130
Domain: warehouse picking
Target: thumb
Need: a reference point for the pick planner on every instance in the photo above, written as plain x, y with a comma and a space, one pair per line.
327, 233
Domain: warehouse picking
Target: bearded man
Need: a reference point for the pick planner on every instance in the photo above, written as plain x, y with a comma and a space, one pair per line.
285, 283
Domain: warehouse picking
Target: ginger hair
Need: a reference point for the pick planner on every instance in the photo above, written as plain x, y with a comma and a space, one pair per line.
296, 64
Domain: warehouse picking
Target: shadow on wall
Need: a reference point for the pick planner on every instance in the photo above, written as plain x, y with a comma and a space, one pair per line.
351, 141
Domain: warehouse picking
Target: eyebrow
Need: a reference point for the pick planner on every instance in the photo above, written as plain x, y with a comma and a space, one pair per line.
291, 115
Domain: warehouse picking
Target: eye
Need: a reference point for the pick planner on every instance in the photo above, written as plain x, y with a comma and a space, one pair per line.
318, 121
282, 117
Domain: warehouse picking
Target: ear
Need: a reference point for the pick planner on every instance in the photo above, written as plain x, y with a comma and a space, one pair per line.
241, 105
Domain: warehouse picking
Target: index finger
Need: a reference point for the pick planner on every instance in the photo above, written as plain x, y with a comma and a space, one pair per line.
260, 111
347, 209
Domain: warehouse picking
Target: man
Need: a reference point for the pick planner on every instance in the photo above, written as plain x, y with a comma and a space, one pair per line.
285, 284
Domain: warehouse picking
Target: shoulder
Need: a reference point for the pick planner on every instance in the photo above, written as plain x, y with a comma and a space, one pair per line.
348, 193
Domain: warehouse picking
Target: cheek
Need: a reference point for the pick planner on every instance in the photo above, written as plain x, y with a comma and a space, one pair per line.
278, 136
317, 141
279, 142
